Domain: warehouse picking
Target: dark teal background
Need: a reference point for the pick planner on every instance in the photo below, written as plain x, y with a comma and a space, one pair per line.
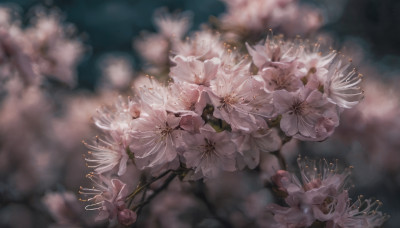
110, 25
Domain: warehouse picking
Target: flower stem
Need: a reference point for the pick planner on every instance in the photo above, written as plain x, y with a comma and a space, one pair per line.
156, 192
141, 188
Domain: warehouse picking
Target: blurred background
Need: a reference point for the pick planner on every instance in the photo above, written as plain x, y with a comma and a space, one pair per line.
367, 31
110, 26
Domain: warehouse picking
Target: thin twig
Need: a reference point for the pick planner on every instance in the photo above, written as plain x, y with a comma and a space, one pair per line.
156, 192
142, 201
140, 188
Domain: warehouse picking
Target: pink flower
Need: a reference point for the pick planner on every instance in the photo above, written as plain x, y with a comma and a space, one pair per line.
118, 123
186, 98
292, 217
281, 79
313, 64
191, 70
151, 92
172, 26
251, 144
209, 152
281, 178
155, 137
202, 45
127, 217
274, 52
107, 196
191, 123
239, 100
305, 114
153, 48
118, 119
342, 87
117, 72
316, 197
105, 155
296, 19
250, 18
362, 213
53, 47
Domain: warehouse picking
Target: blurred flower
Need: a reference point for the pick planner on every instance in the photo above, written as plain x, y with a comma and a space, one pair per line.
64, 207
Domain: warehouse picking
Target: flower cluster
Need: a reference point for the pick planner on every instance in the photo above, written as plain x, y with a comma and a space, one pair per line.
216, 113
219, 103
321, 196
46, 47
222, 108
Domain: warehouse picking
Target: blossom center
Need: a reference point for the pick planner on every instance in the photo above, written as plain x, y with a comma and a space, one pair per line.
227, 101
298, 108
166, 131
209, 147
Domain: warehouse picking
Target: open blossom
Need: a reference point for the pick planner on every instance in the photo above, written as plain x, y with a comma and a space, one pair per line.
151, 92
313, 64
156, 137
118, 121
239, 100
321, 195
281, 79
105, 155
304, 114
274, 52
311, 198
108, 197
300, 60
361, 213
209, 152
251, 145
191, 70
186, 98
342, 87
